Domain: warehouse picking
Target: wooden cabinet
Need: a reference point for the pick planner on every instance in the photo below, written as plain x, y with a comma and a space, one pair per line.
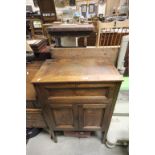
77, 95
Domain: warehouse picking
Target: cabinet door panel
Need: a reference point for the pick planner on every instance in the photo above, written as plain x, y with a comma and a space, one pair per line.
64, 116
91, 116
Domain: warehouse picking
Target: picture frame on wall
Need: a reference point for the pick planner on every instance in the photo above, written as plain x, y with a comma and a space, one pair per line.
84, 8
91, 8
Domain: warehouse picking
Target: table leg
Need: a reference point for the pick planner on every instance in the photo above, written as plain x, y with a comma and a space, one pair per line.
85, 41
58, 41
77, 41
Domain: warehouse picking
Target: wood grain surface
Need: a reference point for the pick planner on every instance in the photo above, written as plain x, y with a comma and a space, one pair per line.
77, 70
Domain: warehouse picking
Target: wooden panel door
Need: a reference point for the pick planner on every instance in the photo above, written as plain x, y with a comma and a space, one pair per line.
64, 116
92, 116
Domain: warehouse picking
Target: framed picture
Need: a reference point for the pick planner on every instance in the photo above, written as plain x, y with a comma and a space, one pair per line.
84, 8
91, 8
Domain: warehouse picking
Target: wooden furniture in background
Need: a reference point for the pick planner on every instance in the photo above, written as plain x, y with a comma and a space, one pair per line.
111, 33
77, 94
45, 27
71, 30
33, 110
91, 39
47, 9
36, 28
126, 63
37, 44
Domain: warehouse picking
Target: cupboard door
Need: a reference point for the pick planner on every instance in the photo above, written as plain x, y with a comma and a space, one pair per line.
92, 116
64, 116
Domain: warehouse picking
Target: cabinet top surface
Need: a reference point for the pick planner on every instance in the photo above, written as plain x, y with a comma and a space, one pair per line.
71, 27
77, 70
31, 70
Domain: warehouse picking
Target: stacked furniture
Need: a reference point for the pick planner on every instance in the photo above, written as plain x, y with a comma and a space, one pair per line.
40, 48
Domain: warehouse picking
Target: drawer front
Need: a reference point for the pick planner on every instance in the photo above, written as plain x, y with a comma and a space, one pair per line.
34, 118
101, 90
78, 91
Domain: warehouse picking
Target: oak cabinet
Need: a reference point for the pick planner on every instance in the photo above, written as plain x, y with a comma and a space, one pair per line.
77, 95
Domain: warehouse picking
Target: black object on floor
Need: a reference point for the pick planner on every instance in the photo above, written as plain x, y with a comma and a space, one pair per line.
32, 132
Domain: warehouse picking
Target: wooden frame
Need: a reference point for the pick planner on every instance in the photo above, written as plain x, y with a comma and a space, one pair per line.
91, 8
84, 8
107, 32
36, 29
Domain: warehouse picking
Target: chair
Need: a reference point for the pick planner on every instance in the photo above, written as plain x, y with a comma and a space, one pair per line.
111, 33
45, 27
36, 28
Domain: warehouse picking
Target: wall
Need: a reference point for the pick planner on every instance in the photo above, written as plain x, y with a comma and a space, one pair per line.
101, 9
30, 2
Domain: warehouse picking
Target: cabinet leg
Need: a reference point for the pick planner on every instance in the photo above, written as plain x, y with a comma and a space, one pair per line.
103, 138
49, 125
53, 137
